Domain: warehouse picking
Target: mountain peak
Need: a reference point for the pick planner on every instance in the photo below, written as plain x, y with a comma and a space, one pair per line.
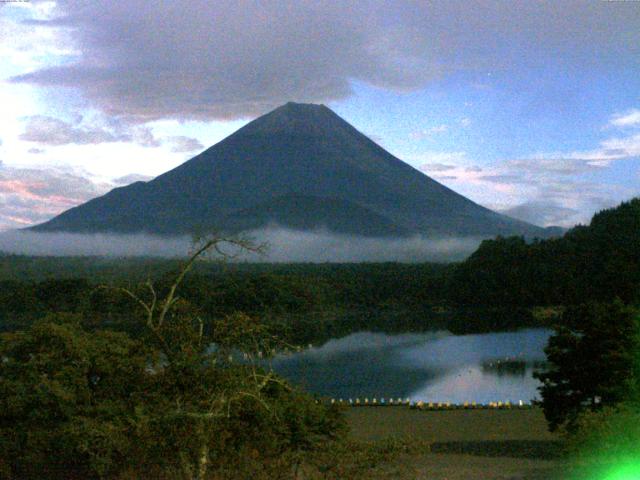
294, 106
302, 111
300, 166
308, 119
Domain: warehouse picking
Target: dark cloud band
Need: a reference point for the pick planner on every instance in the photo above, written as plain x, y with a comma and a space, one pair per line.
145, 60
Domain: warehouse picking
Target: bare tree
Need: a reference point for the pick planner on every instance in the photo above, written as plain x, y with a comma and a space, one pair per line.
218, 404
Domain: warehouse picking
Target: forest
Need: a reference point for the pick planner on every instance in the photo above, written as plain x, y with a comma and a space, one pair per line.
503, 285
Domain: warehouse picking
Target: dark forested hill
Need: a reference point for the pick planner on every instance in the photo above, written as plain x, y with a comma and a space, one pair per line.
600, 261
299, 166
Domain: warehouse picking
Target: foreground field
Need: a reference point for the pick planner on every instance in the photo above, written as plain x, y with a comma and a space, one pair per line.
459, 444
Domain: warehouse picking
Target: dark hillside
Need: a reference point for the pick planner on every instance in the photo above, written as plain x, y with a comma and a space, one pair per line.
598, 262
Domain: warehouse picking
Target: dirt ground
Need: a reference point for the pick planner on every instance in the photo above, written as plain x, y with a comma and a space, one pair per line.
466, 467
461, 444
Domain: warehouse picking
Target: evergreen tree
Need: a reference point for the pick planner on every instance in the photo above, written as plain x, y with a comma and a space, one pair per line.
592, 362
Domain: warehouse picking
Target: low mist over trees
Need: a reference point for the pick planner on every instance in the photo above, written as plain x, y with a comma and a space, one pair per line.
495, 288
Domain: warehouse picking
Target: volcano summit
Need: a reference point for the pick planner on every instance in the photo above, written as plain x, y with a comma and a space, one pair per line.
300, 166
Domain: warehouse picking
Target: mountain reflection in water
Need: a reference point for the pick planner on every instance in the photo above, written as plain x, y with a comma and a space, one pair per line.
433, 366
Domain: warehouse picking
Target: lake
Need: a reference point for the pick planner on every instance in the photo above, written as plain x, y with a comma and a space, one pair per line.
432, 367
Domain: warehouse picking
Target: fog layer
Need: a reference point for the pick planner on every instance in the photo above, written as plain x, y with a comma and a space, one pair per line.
281, 245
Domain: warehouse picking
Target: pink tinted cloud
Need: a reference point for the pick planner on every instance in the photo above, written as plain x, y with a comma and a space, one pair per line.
29, 196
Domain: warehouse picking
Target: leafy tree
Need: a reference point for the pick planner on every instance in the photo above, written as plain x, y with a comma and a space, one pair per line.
592, 362
168, 405
67, 399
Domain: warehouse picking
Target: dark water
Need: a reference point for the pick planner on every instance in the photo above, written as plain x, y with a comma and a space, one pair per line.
433, 367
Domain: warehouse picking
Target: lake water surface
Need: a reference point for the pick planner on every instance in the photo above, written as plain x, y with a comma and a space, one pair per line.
432, 367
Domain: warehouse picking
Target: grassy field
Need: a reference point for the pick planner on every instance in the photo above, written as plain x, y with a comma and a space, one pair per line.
458, 444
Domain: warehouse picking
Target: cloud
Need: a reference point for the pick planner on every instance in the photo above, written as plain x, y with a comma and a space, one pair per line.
430, 160
30, 195
283, 245
182, 144
445, 166
579, 162
52, 131
33, 195
553, 166
552, 189
46, 130
615, 149
286, 245
628, 119
229, 59
131, 178
25, 44
545, 189
36, 151
541, 213
544, 193
437, 167
143, 136
444, 178
66, 244
428, 132
505, 178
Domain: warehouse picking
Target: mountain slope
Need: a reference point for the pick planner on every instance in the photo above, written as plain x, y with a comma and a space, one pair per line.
332, 214
296, 151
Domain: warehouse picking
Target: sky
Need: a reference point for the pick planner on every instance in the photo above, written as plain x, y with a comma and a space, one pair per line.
528, 108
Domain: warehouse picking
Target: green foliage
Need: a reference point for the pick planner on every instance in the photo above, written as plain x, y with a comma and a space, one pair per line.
593, 358
498, 273
80, 404
605, 443
67, 398
227, 424
600, 262
612, 433
301, 303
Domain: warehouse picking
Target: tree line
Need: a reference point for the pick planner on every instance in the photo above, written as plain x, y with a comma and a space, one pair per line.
599, 262
494, 289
